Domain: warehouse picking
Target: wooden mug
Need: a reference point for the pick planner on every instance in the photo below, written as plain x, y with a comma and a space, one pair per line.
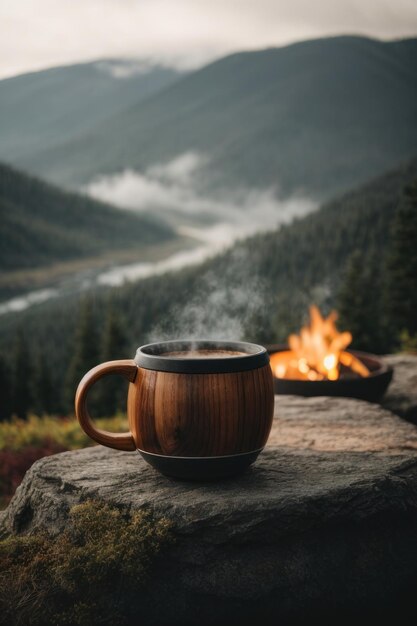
197, 410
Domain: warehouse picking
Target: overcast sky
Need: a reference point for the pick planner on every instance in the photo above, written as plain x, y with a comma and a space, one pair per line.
36, 34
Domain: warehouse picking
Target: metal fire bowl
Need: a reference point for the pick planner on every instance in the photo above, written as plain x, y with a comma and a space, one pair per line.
371, 388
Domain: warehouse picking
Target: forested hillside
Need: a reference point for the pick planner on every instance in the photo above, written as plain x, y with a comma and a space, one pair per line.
40, 225
317, 117
43, 109
259, 290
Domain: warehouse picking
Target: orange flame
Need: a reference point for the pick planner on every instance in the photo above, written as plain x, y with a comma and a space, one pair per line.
318, 352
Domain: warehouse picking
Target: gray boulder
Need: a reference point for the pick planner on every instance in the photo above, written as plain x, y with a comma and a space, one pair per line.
401, 397
322, 525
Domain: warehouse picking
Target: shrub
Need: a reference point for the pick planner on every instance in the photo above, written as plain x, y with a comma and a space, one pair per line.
95, 572
17, 433
22, 442
408, 342
14, 465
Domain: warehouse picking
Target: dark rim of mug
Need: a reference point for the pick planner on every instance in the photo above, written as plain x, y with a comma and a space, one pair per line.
152, 357
200, 458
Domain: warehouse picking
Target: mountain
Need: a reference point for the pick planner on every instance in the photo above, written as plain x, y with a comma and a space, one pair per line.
259, 290
316, 117
41, 225
43, 109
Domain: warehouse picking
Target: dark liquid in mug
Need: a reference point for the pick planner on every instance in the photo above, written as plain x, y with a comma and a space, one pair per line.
203, 354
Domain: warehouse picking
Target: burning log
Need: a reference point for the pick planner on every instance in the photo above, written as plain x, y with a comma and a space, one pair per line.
318, 352
318, 363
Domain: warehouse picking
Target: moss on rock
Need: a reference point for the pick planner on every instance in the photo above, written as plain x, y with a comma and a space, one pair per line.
88, 574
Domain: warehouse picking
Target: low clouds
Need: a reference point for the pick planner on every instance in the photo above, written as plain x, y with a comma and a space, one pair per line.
125, 68
181, 169
163, 186
173, 191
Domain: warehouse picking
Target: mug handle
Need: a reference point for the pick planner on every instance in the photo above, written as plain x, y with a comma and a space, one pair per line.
120, 441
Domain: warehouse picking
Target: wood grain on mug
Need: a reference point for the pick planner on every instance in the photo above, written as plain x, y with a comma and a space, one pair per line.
201, 414
177, 414
121, 441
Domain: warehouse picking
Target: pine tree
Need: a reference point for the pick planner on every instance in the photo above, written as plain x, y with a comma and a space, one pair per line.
359, 303
85, 352
111, 394
22, 378
5, 391
44, 390
401, 283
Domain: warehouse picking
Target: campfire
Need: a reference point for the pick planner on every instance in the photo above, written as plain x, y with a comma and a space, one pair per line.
318, 352
317, 362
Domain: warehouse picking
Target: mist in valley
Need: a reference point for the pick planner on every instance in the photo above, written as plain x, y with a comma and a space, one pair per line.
179, 191
176, 192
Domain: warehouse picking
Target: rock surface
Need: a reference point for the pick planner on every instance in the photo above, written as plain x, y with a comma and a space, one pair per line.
323, 523
401, 397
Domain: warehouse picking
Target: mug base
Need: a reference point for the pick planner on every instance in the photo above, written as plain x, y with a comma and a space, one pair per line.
201, 469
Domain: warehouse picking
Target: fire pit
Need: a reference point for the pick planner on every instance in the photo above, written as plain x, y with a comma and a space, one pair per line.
317, 363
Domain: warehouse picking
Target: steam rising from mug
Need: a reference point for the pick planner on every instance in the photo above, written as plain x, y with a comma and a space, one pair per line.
223, 307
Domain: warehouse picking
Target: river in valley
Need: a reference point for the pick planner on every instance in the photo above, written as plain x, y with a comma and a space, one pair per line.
209, 241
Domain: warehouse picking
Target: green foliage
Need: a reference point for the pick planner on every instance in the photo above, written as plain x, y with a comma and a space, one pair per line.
14, 465
408, 343
112, 392
85, 353
22, 442
359, 304
401, 288
41, 225
379, 307
45, 398
22, 377
18, 434
5, 391
94, 572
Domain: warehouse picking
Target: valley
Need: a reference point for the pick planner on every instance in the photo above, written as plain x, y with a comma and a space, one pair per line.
22, 288
259, 289
47, 234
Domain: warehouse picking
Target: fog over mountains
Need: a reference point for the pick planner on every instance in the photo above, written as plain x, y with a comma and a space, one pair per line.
313, 118
241, 145
171, 191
